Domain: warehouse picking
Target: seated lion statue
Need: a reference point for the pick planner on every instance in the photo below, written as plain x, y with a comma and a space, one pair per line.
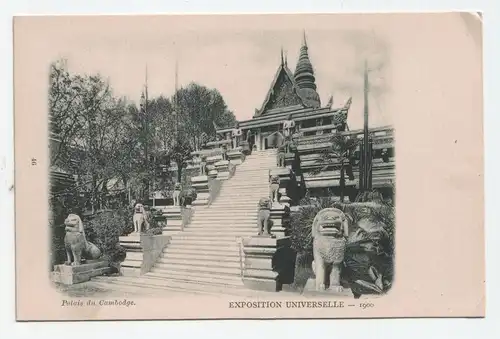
329, 232
280, 156
274, 185
76, 243
264, 213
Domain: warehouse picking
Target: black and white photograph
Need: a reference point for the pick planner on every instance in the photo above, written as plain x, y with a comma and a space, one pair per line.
241, 163
244, 166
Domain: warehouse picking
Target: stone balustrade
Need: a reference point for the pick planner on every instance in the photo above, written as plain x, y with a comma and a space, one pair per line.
69, 275
280, 214
236, 156
269, 263
287, 183
142, 252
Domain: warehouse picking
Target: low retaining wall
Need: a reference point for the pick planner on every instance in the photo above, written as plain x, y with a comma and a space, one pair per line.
142, 252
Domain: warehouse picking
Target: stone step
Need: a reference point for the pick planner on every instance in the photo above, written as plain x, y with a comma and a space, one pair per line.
204, 242
202, 250
197, 237
222, 211
212, 224
244, 186
200, 278
134, 256
255, 192
191, 269
215, 233
221, 226
245, 177
241, 196
151, 285
189, 255
209, 208
228, 206
228, 216
195, 263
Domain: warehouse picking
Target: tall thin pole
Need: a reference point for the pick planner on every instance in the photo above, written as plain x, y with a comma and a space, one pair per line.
145, 120
176, 99
365, 110
367, 154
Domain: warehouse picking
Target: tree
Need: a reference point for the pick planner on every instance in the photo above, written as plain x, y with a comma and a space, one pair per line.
339, 154
65, 103
99, 144
181, 154
197, 108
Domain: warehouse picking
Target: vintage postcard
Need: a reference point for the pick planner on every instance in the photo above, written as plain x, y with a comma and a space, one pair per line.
249, 166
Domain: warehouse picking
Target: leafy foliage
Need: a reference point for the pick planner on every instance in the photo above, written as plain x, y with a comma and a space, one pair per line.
104, 229
339, 155
370, 247
198, 109
111, 145
301, 222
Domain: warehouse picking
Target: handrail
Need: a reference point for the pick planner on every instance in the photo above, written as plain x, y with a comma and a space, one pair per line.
239, 240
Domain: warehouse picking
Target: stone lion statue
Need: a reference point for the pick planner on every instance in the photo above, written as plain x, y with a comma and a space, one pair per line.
76, 243
274, 186
263, 215
177, 193
330, 229
280, 156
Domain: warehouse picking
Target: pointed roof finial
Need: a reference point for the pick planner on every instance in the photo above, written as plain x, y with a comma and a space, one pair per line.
286, 58
146, 82
282, 60
304, 41
176, 75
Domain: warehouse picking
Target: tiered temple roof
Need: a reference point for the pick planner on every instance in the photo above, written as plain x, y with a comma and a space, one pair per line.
292, 90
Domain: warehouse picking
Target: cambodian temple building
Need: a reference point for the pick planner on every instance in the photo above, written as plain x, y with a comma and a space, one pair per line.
292, 96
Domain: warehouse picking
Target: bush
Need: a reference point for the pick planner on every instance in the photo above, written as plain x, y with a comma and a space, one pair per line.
369, 252
187, 196
104, 229
154, 226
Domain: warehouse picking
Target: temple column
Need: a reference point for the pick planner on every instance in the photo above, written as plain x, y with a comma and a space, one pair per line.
258, 141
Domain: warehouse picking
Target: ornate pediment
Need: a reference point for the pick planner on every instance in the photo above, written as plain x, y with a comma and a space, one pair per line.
283, 94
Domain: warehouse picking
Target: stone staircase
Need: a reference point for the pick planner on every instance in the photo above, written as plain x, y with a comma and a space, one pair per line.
205, 257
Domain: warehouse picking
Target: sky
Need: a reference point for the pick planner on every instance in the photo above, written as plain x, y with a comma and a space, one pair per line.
240, 62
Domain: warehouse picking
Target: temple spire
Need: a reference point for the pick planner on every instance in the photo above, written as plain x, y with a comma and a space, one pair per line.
304, 40
304, 73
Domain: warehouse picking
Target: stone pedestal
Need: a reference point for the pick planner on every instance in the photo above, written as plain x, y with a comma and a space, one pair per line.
287, 181
173, 217
69, 275
200, 184
289, 160
223, 170
211, 171
245, 148
268, 263
142, 252
211, 160
280, 218
131, 266
236, 156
